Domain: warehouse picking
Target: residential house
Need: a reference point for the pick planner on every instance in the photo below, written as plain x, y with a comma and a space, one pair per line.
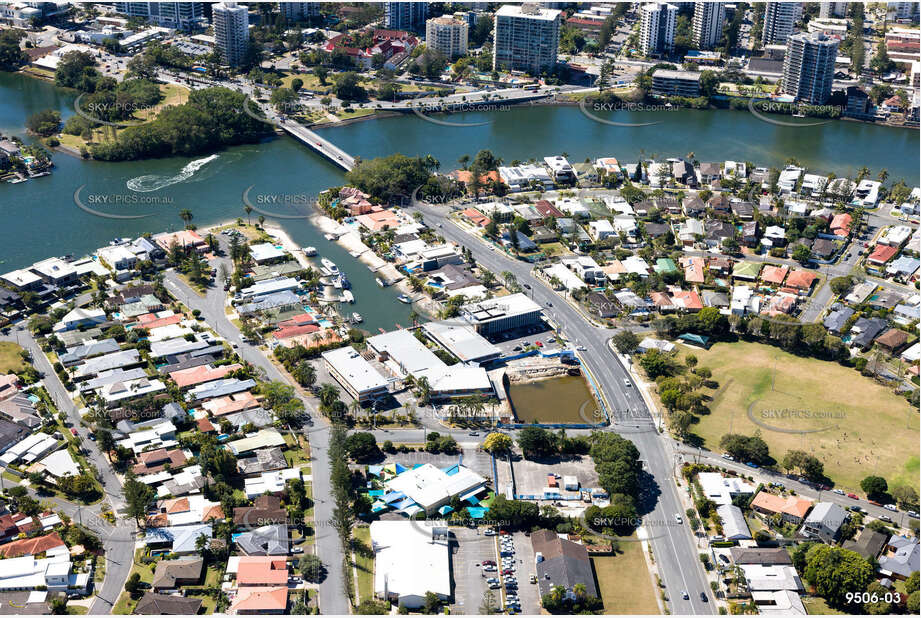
892, 340
171, 574
743, 210
836, 320
825, 521
792, 509
901, 558
153, 604
561, 562
865, 330
869, 543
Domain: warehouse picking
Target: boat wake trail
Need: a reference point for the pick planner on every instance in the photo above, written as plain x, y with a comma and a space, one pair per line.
153, 182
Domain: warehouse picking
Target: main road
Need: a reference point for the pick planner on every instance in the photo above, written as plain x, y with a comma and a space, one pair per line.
674, 548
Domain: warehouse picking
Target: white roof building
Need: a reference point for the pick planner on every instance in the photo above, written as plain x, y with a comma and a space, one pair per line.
29, 449
722, 489
431, 487
272, 482
462, 341
744, 301
568, 278
734, 525
60, 464
773, 577
406, 354
601, 229
354, 373
896, 235
266, 251
410, 560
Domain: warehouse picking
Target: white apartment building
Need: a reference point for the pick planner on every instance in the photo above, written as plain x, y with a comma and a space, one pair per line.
779, 20
296, 11
809, 67
526, 38
178, 15
447, 35
231, 31
657, 28
708, 23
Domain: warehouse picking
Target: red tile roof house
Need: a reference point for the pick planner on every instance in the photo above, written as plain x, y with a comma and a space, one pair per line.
546, 209
186, 378
262, 571
183, 238
693, 269
774, 274
476, 217
882, 254
151, 321
13, 524
380, 220
841, 225
801, 280
687, 300
31, 547
229, 404
791, 509
260, 600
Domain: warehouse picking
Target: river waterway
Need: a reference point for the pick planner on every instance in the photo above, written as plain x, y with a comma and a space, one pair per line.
40, 217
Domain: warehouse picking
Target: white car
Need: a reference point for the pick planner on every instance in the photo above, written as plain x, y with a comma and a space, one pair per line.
627, 382
840, 492
891, 507
490, 532
678, 518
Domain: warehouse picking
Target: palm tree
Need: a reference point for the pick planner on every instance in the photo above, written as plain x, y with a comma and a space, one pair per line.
413, 317
425, 390
261, 220
327, 394
883, 175
862, 173
464, 161
248, 209
186, 215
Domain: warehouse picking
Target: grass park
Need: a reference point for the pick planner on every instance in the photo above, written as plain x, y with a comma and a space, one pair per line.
624, 583
853, 424
10, 360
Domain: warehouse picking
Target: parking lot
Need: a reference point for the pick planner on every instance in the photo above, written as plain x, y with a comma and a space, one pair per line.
531, 476
528, 593
468, 554
475, 459
521, 338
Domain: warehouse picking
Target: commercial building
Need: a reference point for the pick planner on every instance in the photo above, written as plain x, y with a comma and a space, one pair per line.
708, 24
657, 28
497, 315
676, 83
177, 15
411, 559
231, 31
355, 374
779, 20
447, 35
809, 67
832, 9
526, 38
462, 341
428, 487
405, 15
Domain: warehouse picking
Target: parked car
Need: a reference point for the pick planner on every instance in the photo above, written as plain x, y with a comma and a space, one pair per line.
853, 496
840, 492
728, 457
891, 507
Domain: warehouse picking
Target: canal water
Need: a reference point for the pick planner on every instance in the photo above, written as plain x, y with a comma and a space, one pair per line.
40, 217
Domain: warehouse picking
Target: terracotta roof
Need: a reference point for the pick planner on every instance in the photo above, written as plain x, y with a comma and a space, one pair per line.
801, 279
201, 374
31, 547
151, 321
476, 217
231, 403
774, 274
791, 505
179, 505
882, 254
285, 332
204, 425
254, 599
262, 571
546, 209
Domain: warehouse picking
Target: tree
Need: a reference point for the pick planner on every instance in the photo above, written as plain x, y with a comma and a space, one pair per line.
11, 57
536, 442
745, 448
625, 341
186, 215
906, 497
362, 447
138, 496
311, 567
875, 487
656, 363
835, 571
133, 585
496, 443
432, 604
296, 84
282, 98
802, 254
807, 465
305, 374
46, 122
840, 285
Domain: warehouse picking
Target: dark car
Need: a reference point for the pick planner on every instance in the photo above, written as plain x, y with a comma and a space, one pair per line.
703, 597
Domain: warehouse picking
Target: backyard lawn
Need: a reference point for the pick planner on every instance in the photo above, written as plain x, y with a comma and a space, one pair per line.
625, 583
855, 426
817, 606
10, 360
125, 604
